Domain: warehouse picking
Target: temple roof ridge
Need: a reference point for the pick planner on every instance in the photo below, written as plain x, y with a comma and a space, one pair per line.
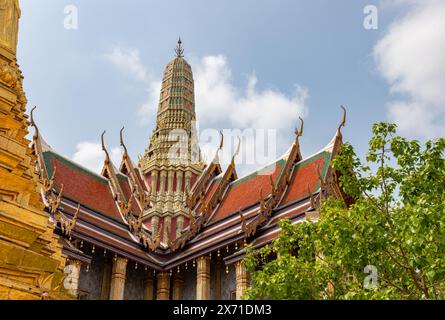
40, 147
76, 164
45, 146
250, 173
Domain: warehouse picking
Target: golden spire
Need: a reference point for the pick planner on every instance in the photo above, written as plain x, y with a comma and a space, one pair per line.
179, 49
171, 167
176, 115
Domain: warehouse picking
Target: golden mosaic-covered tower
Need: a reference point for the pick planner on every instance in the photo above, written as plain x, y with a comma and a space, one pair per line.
31, 260
172, 161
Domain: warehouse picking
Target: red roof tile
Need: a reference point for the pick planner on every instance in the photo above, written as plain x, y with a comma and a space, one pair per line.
306, 173
245, 192
82, 186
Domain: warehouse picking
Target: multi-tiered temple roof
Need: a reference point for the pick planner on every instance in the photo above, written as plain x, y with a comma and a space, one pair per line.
188, 211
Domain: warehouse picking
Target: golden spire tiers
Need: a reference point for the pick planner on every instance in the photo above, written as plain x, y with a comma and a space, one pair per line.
172, 161
31, 260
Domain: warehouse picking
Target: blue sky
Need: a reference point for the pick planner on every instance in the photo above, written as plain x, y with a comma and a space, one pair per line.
257, 64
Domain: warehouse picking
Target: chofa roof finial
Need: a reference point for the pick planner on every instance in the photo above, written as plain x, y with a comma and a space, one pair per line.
122, 142
343, 121
179, 49
104, 148
33, 123
299, 131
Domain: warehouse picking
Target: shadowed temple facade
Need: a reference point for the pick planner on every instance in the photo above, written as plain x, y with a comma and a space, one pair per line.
168, 226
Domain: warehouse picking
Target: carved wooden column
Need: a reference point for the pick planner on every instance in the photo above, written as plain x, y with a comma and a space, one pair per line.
242, 279
118, 278
148, 285
163, 286
203, 278
178, 283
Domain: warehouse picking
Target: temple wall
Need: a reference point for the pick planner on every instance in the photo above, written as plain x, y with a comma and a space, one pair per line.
228, 283
213, 279
134, 283
189, 290
90, 282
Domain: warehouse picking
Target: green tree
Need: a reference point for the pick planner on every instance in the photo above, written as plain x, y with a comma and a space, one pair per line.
396, 227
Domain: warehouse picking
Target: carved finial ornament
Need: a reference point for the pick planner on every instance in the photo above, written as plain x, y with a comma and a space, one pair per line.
299, 132
107, 160
179, 50
122, 142
343, 122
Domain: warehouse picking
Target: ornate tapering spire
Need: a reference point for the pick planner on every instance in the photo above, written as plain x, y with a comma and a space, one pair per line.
179, 49
172, 161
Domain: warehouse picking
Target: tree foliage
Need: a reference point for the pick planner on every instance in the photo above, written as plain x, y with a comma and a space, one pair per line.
396, 227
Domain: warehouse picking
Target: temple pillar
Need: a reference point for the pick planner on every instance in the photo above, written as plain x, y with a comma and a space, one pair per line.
203, 278
148, 285
242, 279
178, 283
162, 183
170, 181
118, 278
154, 181
167, 227
188, 177
163, 286
179, 176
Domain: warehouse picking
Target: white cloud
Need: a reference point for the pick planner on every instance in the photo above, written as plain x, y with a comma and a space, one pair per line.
128, 61
147, 112
219, 101
91, 156
397, 3
219, 104
411, 58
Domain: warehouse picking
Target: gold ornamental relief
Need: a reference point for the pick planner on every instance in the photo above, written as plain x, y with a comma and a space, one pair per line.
9, 74
9, 22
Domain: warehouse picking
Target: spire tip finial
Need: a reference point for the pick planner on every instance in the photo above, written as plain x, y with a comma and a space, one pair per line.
179, 50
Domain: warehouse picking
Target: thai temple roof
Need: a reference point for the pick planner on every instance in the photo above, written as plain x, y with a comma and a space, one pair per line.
100, 221
117, 209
